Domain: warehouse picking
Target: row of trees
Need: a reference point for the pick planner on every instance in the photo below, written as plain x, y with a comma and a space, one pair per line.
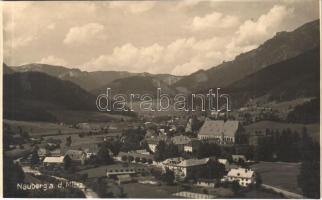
201, 149
285, 146
308, 112
136, 159
309, 177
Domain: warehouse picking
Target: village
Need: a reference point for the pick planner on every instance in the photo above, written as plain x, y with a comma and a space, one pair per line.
166, 156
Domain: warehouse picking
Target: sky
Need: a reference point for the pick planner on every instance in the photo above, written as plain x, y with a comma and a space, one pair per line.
174, 37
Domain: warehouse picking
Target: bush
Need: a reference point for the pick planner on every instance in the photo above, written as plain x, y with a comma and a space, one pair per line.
130, 158
143, 160
124, 158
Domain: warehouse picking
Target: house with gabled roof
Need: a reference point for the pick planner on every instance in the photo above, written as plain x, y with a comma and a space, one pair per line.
184, 167
180, 141
56, 161
77, 155
243, 176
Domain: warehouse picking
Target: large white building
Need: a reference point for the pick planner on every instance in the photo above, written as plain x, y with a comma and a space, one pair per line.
184, 168
245, 177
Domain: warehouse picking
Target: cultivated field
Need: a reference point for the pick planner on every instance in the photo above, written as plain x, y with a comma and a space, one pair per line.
138, 190
280, 175
40, 128
69, 116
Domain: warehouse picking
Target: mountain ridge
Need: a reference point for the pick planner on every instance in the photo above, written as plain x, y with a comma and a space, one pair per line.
89, 80
283, 46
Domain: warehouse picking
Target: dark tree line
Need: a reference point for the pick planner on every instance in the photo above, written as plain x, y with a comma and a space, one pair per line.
206, 149
308, 112
164, 151
284, 146
309, 177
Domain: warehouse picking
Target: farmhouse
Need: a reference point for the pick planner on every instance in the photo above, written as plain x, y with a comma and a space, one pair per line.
43, 152
184, 168
245, 177
191, 146
153, 142
223, 132
77, 156
180, 141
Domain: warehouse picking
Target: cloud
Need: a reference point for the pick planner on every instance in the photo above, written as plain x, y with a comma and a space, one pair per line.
132, 7
255, 32
86, 34
213, 20
129, 57
18, 42
53, 60
182, 56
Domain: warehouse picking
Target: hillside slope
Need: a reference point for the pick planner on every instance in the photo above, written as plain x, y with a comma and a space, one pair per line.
294, 78
282, 46
136, 85
32, 94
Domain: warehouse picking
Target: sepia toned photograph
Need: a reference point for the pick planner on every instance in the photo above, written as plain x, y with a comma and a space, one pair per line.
182, 99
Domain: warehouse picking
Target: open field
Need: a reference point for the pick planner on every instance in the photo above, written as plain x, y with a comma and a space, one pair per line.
138, 190
17, 153
285, 107
40, 128
100, 171
261, 194
280, 175
69, 116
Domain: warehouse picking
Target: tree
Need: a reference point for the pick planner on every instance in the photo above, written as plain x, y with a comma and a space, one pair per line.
67, 162
235, 187
143, 160
137, 159
130, 158
217, 168
114, 146
122, 193
172, 151
309, 177
164, 151
34, 157
68, 141
168, 177
205, 191
13, 175
258, 180
100, 187
160, 151
103, 156
206, 149
124, 158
